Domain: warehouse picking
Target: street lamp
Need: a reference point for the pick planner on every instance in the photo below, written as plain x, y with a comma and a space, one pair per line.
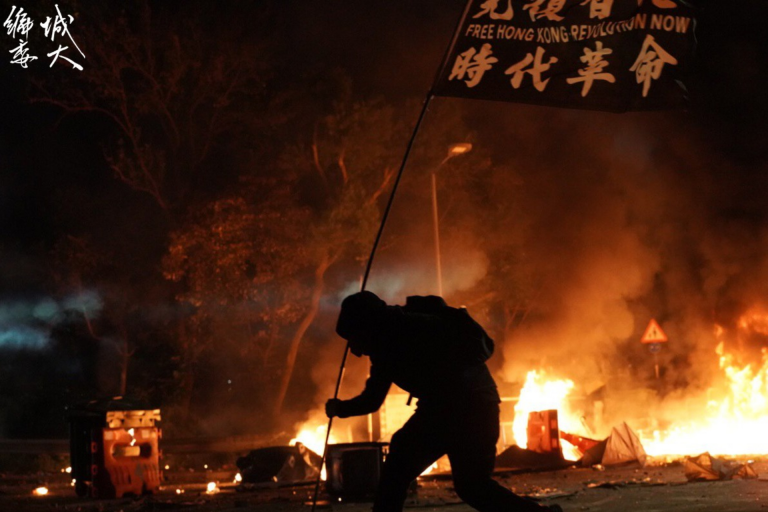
454, 150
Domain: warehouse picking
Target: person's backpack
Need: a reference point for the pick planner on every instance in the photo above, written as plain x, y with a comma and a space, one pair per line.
467, 340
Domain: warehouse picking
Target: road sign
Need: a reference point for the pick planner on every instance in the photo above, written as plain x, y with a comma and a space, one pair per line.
653, 333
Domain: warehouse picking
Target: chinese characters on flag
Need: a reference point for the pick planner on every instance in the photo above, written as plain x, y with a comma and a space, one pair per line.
614, 55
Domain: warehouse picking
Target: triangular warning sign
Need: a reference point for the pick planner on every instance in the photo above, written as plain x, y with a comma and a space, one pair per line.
653, 333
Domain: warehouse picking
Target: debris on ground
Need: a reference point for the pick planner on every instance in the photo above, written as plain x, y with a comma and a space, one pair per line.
706, 467
515, 457
613, 484
281, 464
620, 448
544, 493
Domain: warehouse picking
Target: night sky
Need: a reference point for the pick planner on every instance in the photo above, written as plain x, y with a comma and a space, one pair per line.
391, 49
689, 187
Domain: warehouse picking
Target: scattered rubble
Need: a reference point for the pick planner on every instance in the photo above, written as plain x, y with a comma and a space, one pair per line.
706, 467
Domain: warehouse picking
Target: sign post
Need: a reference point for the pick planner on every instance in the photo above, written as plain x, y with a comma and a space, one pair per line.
654, 337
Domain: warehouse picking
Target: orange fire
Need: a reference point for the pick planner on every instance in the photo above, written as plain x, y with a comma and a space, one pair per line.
729, 418
312, 434
313, 437
734, 419
539, 394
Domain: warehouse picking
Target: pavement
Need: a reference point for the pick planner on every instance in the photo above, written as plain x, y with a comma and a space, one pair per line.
656, 488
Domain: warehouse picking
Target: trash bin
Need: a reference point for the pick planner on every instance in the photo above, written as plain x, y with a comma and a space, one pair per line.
113, 448
353, 469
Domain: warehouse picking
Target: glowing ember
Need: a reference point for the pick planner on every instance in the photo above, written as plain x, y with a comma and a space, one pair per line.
238, 478
734, 415
72, 484
179, 491
212, 488
66, 470
539, 394
40, 491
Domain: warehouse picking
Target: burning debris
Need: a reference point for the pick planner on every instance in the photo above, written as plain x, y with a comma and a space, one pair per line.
724, 413
538, 394
730, 416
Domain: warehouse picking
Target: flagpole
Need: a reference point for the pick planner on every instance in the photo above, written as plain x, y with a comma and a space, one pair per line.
387, 210
409, 147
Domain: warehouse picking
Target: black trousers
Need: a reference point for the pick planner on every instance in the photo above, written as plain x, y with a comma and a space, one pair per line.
467, 434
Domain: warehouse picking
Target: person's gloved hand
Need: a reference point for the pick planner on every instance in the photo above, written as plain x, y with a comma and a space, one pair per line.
332, 407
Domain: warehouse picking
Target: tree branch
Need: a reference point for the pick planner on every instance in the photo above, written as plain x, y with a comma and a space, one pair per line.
388, 174
342, 165
316, 156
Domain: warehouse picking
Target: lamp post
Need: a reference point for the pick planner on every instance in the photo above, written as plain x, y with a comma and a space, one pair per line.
454, 150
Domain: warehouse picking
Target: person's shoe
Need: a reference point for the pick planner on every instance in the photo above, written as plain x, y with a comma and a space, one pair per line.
555, 508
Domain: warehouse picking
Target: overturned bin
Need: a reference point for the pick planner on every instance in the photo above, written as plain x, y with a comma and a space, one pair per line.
114, 448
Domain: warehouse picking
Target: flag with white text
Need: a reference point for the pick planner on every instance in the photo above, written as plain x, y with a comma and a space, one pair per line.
614, 55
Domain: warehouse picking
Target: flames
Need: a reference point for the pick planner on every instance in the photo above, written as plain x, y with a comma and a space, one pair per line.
540, 393
312, 434
313, 437
734, 417
728, 418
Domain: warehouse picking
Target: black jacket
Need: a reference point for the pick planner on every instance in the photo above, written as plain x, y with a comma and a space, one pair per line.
434, 352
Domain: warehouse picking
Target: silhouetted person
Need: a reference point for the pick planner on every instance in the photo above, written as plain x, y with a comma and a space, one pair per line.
436, 353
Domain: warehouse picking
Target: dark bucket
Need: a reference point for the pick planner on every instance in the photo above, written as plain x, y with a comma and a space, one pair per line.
354, 469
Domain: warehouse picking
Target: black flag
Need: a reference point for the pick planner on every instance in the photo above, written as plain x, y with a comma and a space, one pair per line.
614, 55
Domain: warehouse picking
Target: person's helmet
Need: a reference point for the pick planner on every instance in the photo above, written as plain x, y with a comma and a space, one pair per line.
358, 320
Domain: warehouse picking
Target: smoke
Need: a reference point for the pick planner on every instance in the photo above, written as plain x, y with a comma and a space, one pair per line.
607, 222
589, 251
22, 337
462, 269
620, 220
614, 220
26, 325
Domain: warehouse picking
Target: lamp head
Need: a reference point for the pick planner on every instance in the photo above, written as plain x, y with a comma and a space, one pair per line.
459, 149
